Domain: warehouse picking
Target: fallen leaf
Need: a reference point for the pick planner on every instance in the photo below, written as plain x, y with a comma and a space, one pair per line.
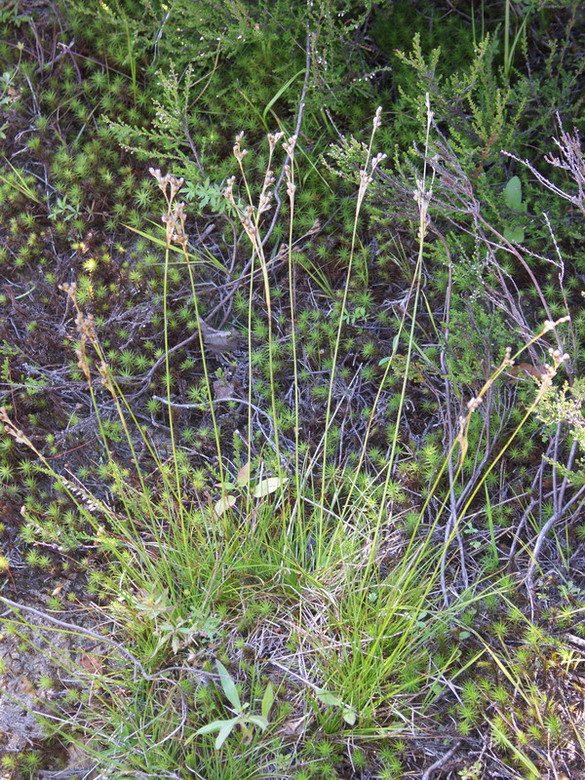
218, 341
527, 369
224, 503
223, 389
243, 475
91, 663
293, 726
267, 486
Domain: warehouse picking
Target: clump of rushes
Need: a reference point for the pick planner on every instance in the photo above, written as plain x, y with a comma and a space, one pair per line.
293, 446
302, 535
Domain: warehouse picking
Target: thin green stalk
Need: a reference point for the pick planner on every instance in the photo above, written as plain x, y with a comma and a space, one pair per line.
291, 188
365, 178
422, 196
490, 522
251, 223
168, 379
216, 430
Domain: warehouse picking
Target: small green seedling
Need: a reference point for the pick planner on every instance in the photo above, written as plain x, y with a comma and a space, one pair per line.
359, 314
513, 197
262, 489
182, 632
331, 700
243, 719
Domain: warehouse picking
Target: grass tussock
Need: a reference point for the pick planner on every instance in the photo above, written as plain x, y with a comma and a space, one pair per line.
297, 468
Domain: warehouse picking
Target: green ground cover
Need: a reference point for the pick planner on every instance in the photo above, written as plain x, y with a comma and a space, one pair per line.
292, 348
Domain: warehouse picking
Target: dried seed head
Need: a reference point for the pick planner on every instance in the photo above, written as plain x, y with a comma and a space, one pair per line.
70, 289
82, 361
157, 175
161, 180
175, 226
558, 356
247, 219
421, 195
273, 139
365, 180
364, 177
473, 404
289, 146
85, 325
239, 153
164, 182
106, 375
264, 203
550, 325
377, 118
269, 178
377, 160
176, 184
228, 192
430, 114
16, 433
290, 185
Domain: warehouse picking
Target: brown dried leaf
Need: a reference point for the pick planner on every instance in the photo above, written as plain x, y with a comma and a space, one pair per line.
91, 663
527, 369
243, 475
218, 341
292, 727
223, 389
